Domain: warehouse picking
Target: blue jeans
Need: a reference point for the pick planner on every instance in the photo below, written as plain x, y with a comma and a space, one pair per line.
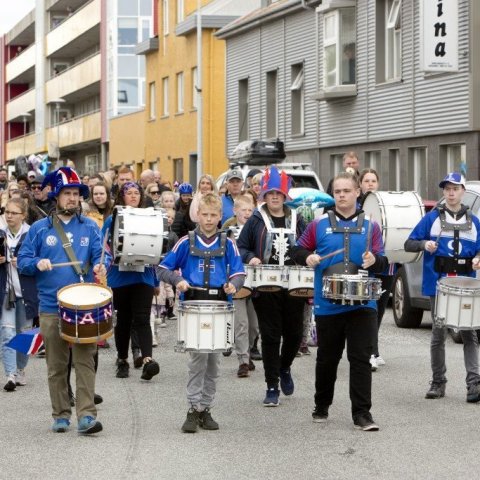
13, 321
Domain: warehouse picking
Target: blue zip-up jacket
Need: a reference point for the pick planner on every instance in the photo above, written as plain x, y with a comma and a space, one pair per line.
42, 241
116, 278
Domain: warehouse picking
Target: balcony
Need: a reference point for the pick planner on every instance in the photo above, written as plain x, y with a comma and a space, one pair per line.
24, 103
76, 78
77, 131
18, 68
24, 144
75, 31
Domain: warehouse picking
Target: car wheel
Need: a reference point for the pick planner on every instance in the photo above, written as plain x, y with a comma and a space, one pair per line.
404, 314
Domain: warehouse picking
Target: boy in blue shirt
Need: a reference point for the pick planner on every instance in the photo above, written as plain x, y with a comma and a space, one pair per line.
449, 235
206, 258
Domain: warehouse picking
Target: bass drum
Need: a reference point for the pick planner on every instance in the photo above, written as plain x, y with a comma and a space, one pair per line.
397, 213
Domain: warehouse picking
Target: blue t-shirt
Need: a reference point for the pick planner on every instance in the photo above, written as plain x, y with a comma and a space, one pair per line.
429, 229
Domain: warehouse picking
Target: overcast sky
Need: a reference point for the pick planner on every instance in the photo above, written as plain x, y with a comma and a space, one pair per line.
11, 11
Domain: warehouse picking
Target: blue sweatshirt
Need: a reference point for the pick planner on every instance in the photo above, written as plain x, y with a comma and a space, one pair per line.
42, 241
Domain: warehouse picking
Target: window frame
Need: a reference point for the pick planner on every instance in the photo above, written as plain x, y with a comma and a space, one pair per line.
271, 104
153, 100
180, 83
297, 99
165, 103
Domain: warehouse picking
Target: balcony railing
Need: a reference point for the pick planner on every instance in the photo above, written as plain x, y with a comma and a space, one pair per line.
20, 64
77, 130
21, 145
24, 103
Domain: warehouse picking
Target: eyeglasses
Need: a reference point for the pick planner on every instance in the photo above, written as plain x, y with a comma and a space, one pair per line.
154, 192
36, 187
8, 212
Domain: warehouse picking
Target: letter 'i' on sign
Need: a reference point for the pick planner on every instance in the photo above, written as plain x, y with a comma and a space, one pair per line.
439, 35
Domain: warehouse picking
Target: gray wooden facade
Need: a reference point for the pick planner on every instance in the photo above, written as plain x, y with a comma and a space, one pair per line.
420, 110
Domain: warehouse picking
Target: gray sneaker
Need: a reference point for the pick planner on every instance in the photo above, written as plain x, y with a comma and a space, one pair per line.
206, 421
437, 390
473, 393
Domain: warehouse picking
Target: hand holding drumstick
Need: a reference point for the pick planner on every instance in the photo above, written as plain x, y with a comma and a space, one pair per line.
314, 259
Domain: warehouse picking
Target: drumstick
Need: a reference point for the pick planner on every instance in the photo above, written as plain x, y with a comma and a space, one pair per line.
336, 252
202, 289
104, 246
65, 264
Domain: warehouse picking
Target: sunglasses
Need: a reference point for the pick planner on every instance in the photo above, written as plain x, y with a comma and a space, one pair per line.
36, 187
154, 192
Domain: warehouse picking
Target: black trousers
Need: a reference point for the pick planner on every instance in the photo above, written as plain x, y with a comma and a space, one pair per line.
133, 304
280, 320
358, 328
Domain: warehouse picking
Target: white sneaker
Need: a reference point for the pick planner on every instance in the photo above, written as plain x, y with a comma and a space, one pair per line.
154, 341
11, 383
20, 377
373, 363
380, 361
163, 323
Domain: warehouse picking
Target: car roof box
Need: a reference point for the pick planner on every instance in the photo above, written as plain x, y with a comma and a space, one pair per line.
258, 152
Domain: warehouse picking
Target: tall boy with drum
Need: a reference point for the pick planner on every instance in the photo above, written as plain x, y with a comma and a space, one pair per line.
449, 235
210, 261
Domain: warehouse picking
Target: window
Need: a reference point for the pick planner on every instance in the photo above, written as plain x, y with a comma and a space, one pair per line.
165, 97
166, 28
339, 64
417, 170
451, 158
297, 99
180, 11
178, 169
271, 96
243, 110
128, 91
180, 94
389, 40
127, 31
336, 163
394, 170
194, 87
373, 159
153, 109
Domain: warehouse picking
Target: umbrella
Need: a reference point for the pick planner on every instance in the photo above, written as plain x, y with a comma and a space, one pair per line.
27, 342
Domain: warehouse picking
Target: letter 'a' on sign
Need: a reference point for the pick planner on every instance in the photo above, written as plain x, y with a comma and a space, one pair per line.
439, 35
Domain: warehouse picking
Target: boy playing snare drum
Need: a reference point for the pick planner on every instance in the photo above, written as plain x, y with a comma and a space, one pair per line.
449, 235
210, 261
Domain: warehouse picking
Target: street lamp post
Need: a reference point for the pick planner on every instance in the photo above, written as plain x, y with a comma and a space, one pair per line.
25, 117
58, 103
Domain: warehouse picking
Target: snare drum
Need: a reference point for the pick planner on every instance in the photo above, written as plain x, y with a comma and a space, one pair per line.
138, 236
86, 314
349, 289
248, 286
300, 281
397, 213
457, 304
270, 278
205, 326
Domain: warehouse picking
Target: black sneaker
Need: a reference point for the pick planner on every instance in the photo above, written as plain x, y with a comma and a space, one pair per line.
473, 393
206, 421
320, 414
365, 422
123, 369
150, 369
255, 354
251, 365
11, 384
137, 358
191, 423
97, 399
286, 381
227, 353
437, 390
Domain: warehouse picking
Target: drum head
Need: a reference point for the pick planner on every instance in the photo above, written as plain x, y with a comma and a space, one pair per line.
84, 295
460, 282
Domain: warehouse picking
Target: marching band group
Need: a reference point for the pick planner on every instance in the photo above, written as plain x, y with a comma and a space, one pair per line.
234, 275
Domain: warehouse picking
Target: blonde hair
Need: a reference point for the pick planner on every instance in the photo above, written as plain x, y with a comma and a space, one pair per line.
257, 179
210, 179
243, 200
210, 200
164, 194
346, 176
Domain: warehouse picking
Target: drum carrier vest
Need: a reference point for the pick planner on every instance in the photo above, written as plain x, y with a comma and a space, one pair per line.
216, 293
455, 264
347, 267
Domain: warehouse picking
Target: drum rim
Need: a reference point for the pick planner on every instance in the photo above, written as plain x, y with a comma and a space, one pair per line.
84, 307
219, 305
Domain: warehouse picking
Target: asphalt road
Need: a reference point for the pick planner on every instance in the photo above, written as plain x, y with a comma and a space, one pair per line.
418, 439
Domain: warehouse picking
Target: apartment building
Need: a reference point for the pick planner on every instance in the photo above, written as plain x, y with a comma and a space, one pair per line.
67, 66
395, 80
168, 126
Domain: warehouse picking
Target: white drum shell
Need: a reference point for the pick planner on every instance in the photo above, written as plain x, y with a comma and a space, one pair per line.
301, 281
205, 326
269, 278
138, 236
397, 213
249, 284
457, 303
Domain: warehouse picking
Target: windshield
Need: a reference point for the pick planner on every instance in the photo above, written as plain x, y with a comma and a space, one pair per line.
304, 181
